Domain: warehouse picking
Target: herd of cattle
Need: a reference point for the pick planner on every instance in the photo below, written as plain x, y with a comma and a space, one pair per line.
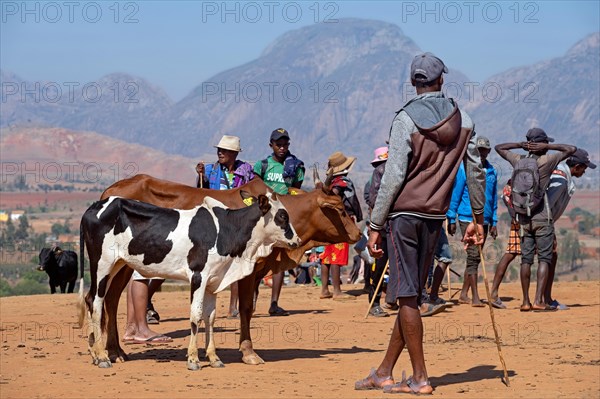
209, 238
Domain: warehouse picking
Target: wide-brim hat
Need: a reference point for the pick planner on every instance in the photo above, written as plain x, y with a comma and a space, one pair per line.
230, 143
381, 154
338, 163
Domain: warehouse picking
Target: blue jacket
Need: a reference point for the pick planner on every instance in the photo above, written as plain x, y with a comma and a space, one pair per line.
241, 175
460, 204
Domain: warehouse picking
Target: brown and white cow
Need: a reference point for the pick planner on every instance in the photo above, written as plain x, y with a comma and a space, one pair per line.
210, 246
318, 217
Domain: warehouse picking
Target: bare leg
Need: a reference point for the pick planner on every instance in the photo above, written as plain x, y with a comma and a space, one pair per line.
464, 293
336, 280
475, 294
438, 277
542, 279
408, 330
525, 277
500, 272
274, 309
550, 282
137, 299
277, 284
325, 281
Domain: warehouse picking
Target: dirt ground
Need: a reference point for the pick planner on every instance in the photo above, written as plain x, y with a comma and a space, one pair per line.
318, 351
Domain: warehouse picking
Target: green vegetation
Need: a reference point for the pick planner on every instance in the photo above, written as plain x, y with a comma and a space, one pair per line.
586, 220
570, 255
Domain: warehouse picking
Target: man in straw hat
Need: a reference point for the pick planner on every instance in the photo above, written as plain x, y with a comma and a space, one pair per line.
227, 173
336, 255
281, 170
429, 138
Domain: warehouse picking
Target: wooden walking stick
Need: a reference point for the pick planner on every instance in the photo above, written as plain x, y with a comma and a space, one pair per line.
387, 264
489, 298
449, 284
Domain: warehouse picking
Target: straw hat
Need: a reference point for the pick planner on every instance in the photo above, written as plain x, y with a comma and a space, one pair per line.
229, 143
339, 163
381, 154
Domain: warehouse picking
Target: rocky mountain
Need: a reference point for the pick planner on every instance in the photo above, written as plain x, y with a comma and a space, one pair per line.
333, 86
117, 105
561, 95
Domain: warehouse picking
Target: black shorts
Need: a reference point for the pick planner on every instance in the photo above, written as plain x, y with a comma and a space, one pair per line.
537, 236
411, 244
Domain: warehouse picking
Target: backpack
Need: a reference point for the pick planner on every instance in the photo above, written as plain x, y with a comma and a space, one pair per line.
525, 191
290, 165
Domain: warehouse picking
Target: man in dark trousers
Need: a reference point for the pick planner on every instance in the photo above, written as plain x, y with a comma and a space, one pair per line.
429, 139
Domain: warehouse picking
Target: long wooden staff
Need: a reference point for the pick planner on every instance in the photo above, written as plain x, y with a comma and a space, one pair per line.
489, 298
387, 264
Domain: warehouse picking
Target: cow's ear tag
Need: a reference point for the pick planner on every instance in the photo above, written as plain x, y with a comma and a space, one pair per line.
248, 201
293, 192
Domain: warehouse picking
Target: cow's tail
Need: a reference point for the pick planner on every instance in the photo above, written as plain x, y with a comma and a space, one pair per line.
81, 307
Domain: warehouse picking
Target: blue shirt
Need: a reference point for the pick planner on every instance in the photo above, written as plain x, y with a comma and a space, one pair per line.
460, 204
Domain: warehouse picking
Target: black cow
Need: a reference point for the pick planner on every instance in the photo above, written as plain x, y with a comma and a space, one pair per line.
61, 267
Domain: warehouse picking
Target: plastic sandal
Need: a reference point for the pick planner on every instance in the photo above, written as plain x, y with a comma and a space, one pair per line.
373, 382
409, 386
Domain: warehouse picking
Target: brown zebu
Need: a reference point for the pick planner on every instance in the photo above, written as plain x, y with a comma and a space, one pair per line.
318, 217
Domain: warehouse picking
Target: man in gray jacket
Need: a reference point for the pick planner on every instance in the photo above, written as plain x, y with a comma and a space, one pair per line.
429, 138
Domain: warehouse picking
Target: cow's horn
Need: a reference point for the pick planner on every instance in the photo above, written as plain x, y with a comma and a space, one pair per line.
327, 184
316, 178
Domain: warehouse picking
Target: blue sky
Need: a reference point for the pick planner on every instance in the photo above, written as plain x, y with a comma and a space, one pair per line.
177, 45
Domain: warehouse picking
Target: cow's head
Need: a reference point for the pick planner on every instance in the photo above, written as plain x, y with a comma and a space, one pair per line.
277, 226
337, 226
48, 260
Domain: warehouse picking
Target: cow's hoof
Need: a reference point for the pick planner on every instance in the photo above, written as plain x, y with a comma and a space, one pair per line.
193, 366
105, 364
217, 364
252, 359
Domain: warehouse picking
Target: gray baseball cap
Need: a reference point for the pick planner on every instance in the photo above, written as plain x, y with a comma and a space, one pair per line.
483, 142
427, 67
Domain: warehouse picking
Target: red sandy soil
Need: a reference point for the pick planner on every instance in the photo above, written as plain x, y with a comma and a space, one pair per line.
318, 351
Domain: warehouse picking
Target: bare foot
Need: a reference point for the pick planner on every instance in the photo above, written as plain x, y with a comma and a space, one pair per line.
326, 294
464, 300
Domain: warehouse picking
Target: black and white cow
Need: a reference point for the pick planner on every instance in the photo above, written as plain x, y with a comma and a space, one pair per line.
210, 246
61, 267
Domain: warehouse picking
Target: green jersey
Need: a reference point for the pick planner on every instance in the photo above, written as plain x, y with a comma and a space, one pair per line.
273, 176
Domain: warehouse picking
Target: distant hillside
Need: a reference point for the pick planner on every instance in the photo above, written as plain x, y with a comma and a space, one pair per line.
56, 155
333, 86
